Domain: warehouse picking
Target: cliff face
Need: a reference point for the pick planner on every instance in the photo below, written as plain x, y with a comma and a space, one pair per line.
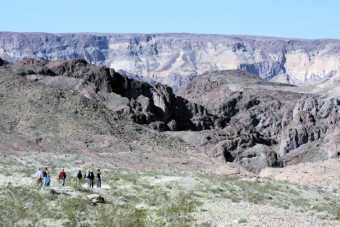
174, 59
266, 120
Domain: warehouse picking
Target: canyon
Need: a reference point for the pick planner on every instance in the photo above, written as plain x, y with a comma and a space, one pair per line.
175, 59
187, 129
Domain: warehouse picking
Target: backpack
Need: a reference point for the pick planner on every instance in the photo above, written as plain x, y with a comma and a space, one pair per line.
44, 173
91, 176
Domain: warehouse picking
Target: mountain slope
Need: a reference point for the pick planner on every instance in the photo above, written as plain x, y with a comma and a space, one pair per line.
133, 100
60, 126
230, 115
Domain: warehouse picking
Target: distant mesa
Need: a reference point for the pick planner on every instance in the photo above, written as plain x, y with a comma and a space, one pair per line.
175, 59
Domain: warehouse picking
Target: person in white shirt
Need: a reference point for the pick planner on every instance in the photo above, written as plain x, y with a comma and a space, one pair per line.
39, 177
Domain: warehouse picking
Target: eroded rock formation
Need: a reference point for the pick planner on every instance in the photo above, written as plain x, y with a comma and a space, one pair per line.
229, 115
175, 59
267, 123
137, 101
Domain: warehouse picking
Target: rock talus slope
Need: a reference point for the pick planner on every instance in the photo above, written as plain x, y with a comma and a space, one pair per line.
174, 59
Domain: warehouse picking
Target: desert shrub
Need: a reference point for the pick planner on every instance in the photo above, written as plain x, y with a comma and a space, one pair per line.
113, 215
19, 203
301, 202
156, 197
74, 210
177, 211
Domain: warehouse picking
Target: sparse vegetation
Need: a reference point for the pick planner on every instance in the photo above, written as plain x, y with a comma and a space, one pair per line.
145, 199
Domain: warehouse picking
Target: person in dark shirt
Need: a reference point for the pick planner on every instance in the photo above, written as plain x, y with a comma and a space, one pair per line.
90, 178
79, 177
99, 179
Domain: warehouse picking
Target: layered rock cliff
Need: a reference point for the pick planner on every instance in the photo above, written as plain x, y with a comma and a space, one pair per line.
174, 59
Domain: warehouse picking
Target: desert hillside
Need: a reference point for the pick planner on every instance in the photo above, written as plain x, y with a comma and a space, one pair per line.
230, 116
212, 155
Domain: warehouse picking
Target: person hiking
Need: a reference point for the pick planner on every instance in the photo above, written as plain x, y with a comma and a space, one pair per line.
90, 178
39, 177
86, 176
79, 177
99, 179
48, 180
45, 173
62, 177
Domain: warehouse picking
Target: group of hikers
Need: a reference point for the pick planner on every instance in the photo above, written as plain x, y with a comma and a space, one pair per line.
44, 178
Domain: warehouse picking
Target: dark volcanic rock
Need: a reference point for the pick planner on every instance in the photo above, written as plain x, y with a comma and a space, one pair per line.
3, 62
140, 102
258, 157
240, 117
274, 118
69, 129
311, 119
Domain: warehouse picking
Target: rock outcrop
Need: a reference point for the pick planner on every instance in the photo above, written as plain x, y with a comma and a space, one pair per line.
2, 62
133, 100
58, 127
313, 118
266, 124
175, 59
96, 198
230, 115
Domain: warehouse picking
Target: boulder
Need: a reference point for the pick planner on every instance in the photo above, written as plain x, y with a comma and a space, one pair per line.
172, 125
334, 151
158, 125
257, 158
63, 191
96, 198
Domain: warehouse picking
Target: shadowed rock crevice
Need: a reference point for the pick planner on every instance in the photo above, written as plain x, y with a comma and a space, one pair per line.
3, 62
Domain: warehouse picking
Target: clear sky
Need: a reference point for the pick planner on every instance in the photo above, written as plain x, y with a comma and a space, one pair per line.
281, 18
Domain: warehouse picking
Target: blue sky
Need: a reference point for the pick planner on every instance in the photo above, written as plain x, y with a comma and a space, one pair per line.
281, 18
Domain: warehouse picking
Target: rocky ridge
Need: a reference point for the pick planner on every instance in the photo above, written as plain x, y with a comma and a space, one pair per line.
155, 106
58, 127
175, 59
269, 124
232, 116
